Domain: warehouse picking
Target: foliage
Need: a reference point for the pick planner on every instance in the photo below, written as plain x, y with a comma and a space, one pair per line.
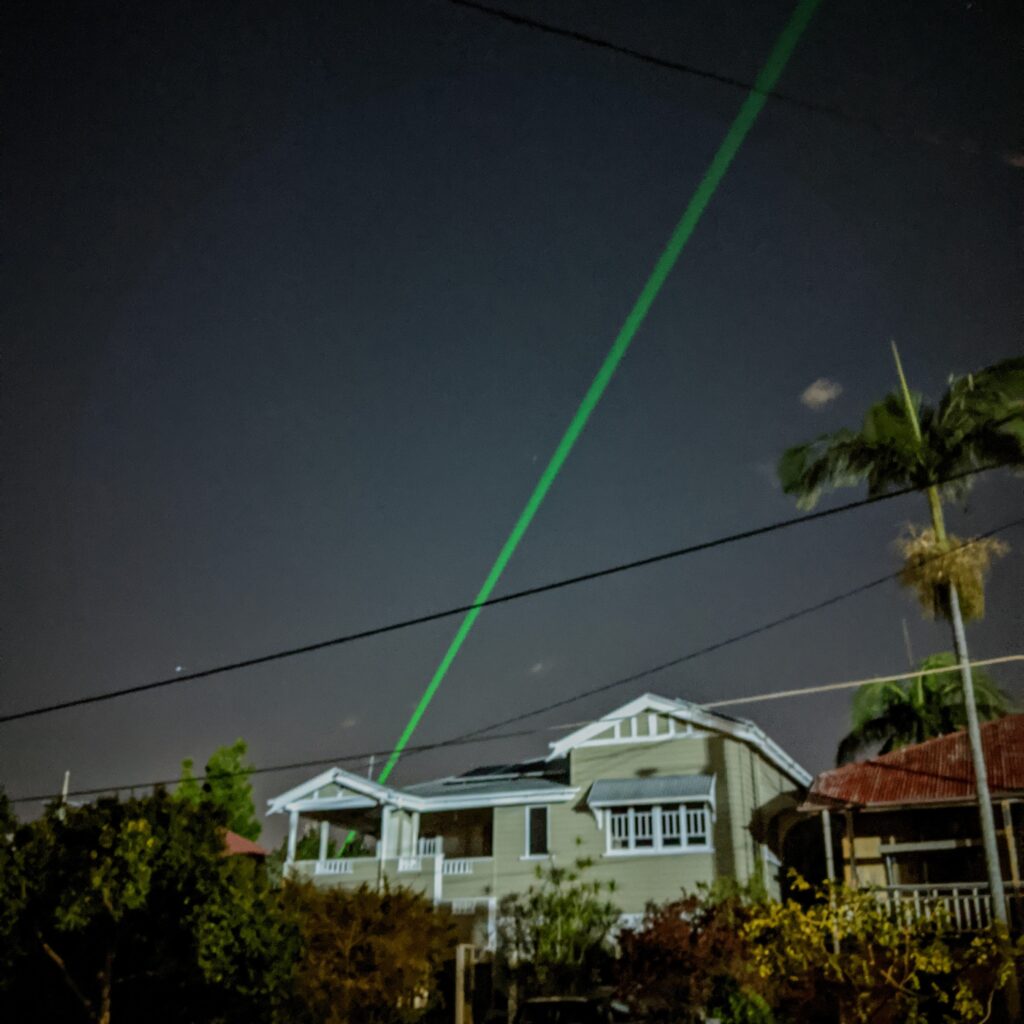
930, 565
226, 785
878, 966
979, 421
367, 957
556, 936
897, 713
688, 958
13, 888
132, 905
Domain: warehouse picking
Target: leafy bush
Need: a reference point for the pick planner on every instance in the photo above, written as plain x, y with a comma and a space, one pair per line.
556, 936
878, 966
367, 957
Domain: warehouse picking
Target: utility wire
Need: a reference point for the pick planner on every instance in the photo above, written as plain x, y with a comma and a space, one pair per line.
369, 757
964, 146
486, 733
544, 588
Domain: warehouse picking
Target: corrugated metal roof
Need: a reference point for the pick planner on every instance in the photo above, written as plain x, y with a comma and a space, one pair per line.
657, 787
934, 771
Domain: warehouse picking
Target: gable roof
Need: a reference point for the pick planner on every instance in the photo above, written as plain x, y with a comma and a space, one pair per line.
740, 729
540, 780
936, 771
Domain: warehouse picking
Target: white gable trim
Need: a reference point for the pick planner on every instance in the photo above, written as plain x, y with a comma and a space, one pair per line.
307, 791
683, 711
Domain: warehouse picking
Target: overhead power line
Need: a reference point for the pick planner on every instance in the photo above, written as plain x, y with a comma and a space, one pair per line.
728, 641
828, 687
419, 620
368, 757
487, 733
899, 133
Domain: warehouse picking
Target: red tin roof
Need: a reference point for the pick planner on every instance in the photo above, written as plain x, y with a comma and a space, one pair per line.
936, 771
238, 846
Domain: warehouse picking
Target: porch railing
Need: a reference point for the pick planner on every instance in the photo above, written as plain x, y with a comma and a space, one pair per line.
968, 907
457, 866
430, 847
334, 867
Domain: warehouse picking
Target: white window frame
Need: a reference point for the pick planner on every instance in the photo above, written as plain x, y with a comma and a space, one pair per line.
526, 831
658, 846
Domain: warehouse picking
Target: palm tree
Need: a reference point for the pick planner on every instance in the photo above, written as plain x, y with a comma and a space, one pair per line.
978, 422
896, 713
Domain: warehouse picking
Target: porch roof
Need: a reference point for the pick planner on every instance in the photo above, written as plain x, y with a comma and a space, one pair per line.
934, 772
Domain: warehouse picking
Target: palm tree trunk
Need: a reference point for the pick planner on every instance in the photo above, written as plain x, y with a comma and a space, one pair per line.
988, 823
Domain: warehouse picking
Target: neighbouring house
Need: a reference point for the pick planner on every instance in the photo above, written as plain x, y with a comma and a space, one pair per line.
238, 846
660, 793
907, 822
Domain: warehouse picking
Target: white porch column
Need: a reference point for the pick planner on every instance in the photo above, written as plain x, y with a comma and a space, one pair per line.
826, 834
438, 876
385, 828
492, 923
293, 835
415, 842
325, 833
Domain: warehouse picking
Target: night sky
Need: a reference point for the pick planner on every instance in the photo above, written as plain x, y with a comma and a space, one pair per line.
299, 299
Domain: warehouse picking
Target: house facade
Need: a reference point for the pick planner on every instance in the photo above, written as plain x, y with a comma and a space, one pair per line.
907, 824
660, 794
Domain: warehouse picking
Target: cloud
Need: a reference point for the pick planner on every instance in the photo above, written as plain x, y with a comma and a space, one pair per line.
349, 723
538, 667
820, 393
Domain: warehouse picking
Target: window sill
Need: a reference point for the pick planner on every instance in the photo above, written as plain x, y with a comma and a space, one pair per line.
536, 856
660, 853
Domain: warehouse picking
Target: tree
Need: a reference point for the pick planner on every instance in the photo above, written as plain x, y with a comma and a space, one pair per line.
556, 936
131, 910
978, 422
368, 956
896, 713
226, 785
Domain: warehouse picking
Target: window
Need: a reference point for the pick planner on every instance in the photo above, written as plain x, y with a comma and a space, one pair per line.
536, 831
660, 827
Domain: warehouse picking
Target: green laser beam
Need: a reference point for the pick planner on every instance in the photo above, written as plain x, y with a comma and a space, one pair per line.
741, 125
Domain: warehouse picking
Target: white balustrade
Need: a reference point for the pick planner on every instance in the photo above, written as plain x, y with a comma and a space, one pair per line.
334, 867
967, 907
431, 847
409, 864
457, 866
